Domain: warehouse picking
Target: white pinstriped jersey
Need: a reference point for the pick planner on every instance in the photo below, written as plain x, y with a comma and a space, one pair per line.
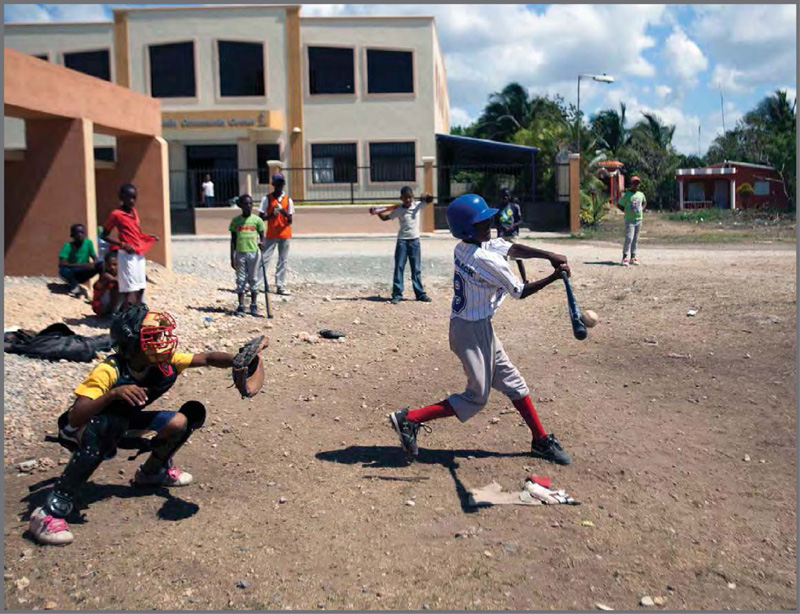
482, 279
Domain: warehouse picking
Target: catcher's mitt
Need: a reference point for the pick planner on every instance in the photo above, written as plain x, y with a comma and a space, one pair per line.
248, 368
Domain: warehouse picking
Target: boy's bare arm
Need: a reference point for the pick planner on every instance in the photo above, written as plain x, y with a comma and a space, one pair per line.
233, 249
85, 408
533, 287
220, 360
519, 251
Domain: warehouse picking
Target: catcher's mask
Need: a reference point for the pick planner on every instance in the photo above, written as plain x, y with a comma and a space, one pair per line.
157, 338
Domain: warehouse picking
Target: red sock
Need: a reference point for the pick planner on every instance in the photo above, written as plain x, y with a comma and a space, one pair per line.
431, 412
528, 412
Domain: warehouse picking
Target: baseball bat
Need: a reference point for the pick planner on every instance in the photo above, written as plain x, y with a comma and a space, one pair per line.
387, 209
266, 286
578, 327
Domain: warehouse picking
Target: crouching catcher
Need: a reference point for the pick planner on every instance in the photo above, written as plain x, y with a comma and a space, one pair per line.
109, 410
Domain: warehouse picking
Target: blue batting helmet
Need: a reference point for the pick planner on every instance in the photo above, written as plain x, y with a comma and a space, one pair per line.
466, 211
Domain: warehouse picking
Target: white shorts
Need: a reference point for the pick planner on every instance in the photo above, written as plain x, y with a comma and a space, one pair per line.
130, 271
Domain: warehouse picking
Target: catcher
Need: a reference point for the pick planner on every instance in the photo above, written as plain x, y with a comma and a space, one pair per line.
109, 411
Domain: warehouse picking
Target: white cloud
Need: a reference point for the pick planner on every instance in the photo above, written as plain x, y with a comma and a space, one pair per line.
663, 91
56, 12
459, 117
683, 59
25, 13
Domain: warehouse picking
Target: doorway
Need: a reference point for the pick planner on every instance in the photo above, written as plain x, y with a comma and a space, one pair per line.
722, 193
220, 162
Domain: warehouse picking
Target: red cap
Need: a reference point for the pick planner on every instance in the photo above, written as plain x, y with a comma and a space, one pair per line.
635, 179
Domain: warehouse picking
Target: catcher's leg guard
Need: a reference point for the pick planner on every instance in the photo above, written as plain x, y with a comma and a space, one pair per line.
98, 441
164, 448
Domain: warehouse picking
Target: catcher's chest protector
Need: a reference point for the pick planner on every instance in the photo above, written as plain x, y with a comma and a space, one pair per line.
152, 380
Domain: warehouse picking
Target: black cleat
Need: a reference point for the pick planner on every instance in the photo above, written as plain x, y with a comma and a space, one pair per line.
407, 431
549, 448
425, 298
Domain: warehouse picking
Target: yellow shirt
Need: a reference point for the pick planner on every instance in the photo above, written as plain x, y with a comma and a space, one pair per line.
104, 376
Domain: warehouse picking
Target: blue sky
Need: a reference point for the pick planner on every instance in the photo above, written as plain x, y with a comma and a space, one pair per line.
669, 59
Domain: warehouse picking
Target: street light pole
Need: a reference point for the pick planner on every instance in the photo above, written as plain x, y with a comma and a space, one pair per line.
604, 78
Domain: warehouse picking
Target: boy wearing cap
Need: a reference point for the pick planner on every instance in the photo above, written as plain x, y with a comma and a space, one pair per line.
633, 203
277, 209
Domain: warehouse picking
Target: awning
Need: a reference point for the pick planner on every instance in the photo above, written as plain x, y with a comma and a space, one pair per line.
463, 150
704, 172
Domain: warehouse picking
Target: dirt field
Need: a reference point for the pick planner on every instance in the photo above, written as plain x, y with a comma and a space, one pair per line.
682, 430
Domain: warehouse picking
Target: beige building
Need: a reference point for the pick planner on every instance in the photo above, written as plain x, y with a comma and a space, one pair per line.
349, 105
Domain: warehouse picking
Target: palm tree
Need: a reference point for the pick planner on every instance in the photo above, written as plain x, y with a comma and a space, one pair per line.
507, 112
609, 126
652, 128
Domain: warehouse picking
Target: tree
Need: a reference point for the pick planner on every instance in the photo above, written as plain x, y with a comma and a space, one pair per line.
507, 112
609, 127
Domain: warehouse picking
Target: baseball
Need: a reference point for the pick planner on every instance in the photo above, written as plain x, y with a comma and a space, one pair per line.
589, 318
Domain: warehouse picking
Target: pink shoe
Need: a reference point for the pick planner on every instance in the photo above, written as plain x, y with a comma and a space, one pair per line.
625, 261
50, 530
635, 261
166, 477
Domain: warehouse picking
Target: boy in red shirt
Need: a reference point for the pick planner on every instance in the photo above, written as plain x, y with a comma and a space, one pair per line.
131, 245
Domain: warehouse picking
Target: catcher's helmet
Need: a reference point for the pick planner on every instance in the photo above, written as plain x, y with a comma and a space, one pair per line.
151, 332
466, 211
126, 328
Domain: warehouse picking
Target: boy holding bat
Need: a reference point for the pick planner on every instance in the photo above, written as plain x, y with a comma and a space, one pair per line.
481, 281
408, 245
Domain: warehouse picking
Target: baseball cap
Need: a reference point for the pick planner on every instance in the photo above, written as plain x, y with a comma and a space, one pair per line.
635, 179
278, 177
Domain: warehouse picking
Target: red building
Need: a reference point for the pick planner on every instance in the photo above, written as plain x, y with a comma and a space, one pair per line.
719, 185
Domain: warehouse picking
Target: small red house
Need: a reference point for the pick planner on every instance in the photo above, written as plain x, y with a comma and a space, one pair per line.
718, 186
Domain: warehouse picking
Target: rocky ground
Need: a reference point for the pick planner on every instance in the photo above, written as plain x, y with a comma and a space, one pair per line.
682, 431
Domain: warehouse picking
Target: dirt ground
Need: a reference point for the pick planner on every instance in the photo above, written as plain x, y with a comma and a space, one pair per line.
682, 432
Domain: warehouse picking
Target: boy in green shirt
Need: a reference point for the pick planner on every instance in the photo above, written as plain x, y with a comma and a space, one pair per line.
633, 203
247, 241
77, 262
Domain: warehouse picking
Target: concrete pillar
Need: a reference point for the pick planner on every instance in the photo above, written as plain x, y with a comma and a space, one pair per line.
143, 161
428, 215
733, 194
574, 193
51, 188
680, 194
246, 154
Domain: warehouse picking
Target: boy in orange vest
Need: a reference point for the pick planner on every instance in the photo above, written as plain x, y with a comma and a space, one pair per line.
278, 210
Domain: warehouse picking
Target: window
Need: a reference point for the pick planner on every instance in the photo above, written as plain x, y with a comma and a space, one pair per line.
334, 163
92, 63
264, 153
392, 162
104, 154
697, 191
390, 72
761, 188
241, 68
172, 71
331, 70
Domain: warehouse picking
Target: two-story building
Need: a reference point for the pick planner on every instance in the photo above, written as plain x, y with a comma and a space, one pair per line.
349, 105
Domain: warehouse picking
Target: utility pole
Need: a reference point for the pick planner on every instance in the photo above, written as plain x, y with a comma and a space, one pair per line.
722, 107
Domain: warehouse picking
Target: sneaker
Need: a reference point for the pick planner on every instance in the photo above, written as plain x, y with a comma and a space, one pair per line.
50, 530
424, 298
625, 261
549, 448
74, 291
407, 431
635, 261
396, 299
166, 477
240, 310
254, 310
284, 292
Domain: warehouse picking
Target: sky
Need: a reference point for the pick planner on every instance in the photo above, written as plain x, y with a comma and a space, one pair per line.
673, 60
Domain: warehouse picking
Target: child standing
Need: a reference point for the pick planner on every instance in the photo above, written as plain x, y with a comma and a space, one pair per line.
132, 244
110, 404
278, 210
408, 244
247, 241
482, 280
633, 203
77, 262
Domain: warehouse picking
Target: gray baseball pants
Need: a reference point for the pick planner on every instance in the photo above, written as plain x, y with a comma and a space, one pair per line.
486, 366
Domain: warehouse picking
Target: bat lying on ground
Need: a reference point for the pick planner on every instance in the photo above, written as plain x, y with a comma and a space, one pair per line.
578, 327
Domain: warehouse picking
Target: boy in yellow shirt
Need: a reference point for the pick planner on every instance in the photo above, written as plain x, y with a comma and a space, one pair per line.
110, 404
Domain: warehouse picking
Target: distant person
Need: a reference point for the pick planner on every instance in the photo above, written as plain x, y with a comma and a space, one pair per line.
408, 244
247, 241
633, 203
208, 191
102, 246
105, 299
509, 218
278, 211
132, 244
77, 261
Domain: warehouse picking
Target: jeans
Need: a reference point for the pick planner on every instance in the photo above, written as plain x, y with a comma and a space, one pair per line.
407, 249
76, 276
631, 238
283, 259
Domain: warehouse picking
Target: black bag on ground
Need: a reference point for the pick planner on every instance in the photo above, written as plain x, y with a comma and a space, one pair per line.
56, 342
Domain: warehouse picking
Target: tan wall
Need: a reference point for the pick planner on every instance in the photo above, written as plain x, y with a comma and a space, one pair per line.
350, 219
46, 193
